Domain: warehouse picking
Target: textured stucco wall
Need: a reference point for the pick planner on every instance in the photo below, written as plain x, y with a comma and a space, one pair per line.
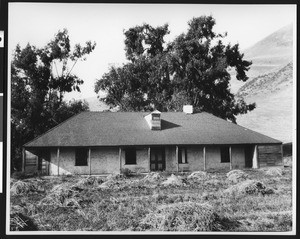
66, 163
142, 161
238, 157
53, 162
194, 158
105, 160
213, 158
171, 164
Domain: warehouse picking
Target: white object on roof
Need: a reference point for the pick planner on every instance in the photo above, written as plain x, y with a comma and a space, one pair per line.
154, 120
188, 109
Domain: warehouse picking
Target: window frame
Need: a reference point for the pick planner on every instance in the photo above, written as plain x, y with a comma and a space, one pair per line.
132, 151
225, 154
180, 150
81, 161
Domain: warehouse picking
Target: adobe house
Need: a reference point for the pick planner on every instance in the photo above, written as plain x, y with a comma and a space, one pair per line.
92, 143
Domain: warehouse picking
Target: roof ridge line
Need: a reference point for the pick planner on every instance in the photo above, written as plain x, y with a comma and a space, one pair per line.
73, 116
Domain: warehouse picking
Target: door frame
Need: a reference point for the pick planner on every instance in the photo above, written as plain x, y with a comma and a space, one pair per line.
161, 150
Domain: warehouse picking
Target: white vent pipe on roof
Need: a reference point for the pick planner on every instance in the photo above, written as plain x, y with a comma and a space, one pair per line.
188, 109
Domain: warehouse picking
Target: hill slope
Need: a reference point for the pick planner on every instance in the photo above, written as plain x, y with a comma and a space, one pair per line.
272, 52
268, 55
273, 94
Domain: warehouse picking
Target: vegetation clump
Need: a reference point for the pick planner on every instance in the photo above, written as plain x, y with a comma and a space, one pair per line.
74, 203
198, 175
274, 171
20, 222
20, 187
236, 176
249, 187
173, 180
182, 216
152, 177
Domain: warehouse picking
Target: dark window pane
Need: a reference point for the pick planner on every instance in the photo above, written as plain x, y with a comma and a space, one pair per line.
81, 155
225, 158
182, 155
130, 156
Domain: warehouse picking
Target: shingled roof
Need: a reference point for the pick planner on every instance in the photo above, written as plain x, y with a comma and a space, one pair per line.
130, 128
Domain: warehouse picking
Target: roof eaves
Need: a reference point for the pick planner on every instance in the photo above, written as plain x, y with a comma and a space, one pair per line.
25, 145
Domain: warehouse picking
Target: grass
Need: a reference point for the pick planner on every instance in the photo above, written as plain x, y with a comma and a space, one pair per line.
74, 203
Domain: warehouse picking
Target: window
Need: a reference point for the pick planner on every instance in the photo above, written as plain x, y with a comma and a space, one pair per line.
81, 155
182, 155
225, 158
155, 117
130, 156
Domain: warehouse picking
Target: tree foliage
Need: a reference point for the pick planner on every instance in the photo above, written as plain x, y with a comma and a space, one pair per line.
40, 78
191, 69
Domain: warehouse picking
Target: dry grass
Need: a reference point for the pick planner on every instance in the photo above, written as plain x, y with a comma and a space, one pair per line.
138, 203
182, 216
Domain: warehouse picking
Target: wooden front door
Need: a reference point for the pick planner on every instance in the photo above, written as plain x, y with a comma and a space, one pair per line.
157, 159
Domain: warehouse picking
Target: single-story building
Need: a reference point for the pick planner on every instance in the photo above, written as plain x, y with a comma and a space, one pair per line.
92, 143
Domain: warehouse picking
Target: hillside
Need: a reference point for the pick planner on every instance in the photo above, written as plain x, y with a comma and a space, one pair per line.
271, 53
273, 94
268, 55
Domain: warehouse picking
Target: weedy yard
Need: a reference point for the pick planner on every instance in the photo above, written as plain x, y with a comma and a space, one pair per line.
248, 200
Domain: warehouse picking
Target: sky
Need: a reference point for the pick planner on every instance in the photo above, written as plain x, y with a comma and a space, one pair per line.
37, 23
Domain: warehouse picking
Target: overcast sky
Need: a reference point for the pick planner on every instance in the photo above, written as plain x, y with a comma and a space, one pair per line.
104, 24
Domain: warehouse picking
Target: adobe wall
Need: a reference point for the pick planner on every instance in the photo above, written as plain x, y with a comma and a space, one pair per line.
53, 169
238, 157
170, 154
66, 163
105, 160
142, 162
194, 159
213, 158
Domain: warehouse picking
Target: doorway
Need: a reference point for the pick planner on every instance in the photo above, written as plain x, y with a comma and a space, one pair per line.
249, 151
157, 159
